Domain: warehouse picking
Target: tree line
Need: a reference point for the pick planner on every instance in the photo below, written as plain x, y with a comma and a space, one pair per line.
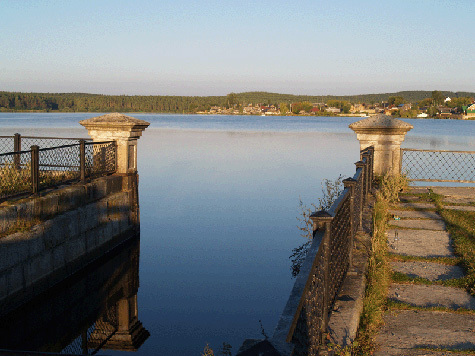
82, 102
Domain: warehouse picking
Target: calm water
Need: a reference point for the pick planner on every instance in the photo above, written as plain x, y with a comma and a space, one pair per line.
219, 198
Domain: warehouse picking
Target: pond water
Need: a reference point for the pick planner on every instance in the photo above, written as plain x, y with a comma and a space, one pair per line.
219, 197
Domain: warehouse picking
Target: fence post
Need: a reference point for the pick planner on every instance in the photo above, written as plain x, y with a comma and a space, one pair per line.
17, 148
82, 160
360, 164
367, 174
401, 152
350, 183
122, 129
323, 219
385, 134
35, 169
371, 167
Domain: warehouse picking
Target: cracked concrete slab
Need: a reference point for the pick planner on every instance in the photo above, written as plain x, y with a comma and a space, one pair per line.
416, 205
429, 270
438, 225
460, 207
415, 214
431, 296
423, 243
411, 329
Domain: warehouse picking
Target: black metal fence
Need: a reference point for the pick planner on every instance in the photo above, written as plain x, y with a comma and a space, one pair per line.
304, 322
91, 340
438, 166
40, 168
18, 142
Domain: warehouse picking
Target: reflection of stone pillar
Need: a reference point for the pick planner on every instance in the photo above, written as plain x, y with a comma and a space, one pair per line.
385, 134
122, 331
125, 130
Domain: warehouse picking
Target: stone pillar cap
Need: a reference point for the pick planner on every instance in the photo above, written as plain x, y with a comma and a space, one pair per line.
115, 121
382, 124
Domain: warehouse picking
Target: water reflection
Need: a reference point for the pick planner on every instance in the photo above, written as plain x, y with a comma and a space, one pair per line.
92, 310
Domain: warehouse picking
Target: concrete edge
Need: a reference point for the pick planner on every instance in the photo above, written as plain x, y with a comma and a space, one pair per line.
345, 316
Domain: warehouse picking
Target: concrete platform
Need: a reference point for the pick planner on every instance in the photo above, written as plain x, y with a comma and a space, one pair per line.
408, 329
431, 296
437, 225
423, 243
415, 214
416, 205
428, 270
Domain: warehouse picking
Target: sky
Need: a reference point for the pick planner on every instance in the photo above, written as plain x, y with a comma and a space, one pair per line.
190, 47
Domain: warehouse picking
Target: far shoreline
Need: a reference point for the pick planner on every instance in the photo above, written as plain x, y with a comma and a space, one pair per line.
217, 114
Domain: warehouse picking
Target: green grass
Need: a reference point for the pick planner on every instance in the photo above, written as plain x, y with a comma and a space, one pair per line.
378, 281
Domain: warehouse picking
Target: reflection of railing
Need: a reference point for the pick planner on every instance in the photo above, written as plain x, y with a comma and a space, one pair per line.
439, 166
96, 336
304, 322
40, 168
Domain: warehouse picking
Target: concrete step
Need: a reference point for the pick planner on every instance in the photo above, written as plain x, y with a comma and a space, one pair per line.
429, 270
460, 207
415, 214
438, 225
431, 296
416, 205
406, 330
423, 243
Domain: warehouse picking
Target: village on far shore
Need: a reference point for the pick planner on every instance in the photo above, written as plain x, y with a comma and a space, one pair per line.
448, 109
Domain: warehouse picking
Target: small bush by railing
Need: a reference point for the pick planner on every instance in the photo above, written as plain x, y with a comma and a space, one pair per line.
304, 322
40, 168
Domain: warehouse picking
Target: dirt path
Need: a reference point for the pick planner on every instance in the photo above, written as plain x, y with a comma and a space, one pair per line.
426, 317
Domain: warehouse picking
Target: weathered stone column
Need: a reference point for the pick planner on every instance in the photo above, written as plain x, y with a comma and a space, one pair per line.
385, 134
125, 130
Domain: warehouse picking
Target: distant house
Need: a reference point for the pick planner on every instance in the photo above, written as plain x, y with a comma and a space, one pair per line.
469, 111
333, 110
447, 99
444, 113
404, 107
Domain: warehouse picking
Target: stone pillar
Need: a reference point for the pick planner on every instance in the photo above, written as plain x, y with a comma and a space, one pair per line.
385, 134
125, 130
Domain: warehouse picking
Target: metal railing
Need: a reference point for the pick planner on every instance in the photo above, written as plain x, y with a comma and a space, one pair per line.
40, 168
16, 142
438, 165
304, 322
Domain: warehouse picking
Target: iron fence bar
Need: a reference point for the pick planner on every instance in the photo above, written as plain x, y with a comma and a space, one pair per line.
444, 180
326, 280
17, 148
35, 169
57, 138
82, 159
416, 150
350, 184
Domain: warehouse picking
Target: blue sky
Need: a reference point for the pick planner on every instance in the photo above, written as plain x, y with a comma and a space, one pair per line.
183, 47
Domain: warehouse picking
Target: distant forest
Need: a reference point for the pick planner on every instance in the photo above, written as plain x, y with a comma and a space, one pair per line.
79, 102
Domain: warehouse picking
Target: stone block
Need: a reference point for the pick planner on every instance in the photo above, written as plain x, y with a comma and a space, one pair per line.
35, 240
74, 249
59, 256
100, 188
103, 210
26, 209
15, 279
8, 217
54, 231
71, 219
38, 267
14, 250
3, 285
91, 240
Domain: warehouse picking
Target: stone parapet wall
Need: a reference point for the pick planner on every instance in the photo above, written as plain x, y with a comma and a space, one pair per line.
76, 225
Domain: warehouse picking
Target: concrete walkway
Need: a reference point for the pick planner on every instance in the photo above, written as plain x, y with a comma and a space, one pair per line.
417, 230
